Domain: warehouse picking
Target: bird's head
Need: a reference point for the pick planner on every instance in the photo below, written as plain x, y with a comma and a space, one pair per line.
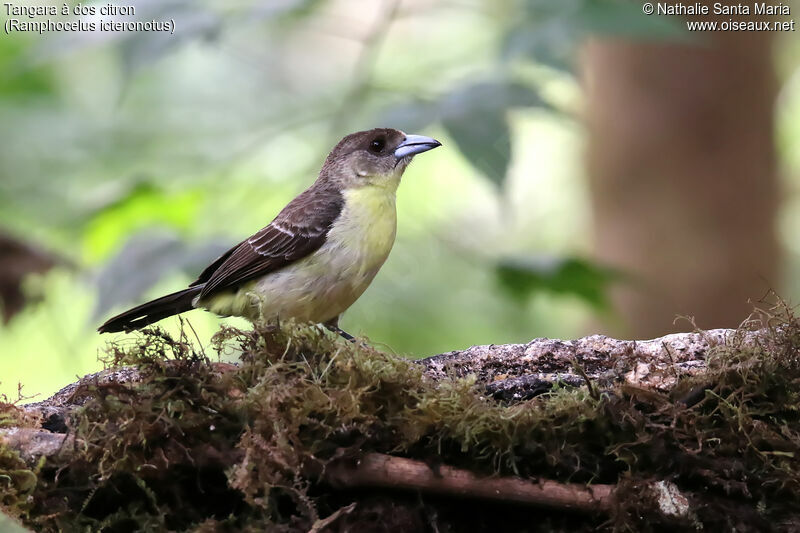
375, 157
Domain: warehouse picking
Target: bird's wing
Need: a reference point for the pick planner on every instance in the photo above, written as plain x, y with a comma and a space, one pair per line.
299, 230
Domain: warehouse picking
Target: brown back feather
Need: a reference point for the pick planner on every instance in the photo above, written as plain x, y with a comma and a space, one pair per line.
299, 230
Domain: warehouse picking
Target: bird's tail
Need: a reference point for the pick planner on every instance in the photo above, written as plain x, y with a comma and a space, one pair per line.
153, 311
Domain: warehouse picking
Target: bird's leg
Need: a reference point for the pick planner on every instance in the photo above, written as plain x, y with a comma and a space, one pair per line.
333, 325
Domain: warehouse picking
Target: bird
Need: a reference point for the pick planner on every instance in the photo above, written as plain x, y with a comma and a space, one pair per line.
317, 256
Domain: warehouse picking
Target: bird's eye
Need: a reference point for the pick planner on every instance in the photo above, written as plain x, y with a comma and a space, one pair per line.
377, 145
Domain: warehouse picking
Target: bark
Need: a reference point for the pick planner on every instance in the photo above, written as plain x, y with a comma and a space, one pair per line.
518, 371
682, 170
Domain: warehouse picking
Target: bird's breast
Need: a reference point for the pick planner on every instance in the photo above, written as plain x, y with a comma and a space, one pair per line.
366, 226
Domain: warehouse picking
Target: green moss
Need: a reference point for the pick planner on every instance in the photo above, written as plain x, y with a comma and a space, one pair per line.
202, 445
17, 479
17, 483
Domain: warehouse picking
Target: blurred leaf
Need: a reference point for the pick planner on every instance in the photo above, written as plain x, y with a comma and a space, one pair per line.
549, 44
287, 10
475, 117
20, 79
550, 31
19, 258
143, 261
411, 116
522, 277
143, 206
490, 94
483, 137
546, 32
192, 22
626, 19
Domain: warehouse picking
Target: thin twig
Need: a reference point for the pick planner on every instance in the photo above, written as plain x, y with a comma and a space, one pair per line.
379, 470
582, 372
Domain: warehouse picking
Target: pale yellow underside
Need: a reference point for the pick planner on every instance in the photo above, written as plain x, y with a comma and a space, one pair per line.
323, 285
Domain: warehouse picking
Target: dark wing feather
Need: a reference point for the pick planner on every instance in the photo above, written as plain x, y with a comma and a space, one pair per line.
210, 269
299, 230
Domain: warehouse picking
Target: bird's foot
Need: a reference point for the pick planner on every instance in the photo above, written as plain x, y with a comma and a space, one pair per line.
342, 333
333, 325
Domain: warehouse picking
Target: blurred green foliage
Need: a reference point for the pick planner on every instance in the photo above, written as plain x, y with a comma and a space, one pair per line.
550, 31
520, 277
139, 157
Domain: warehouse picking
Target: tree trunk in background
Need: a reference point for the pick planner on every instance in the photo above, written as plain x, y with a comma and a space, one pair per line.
683, 177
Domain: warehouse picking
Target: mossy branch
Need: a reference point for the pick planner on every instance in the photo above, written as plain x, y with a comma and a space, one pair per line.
515, 372
519, 371
690, 429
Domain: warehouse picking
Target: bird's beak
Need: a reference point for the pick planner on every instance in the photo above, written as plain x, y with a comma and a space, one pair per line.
415, 144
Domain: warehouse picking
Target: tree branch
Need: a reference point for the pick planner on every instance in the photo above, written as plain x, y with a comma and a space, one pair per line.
377, 470
519, 371
510, 372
